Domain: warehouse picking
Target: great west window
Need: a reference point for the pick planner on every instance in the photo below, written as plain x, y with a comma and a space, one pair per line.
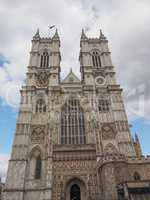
72, 123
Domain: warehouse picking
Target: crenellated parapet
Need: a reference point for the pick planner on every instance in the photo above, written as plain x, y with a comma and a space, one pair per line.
108, 158
142, 159
37, 37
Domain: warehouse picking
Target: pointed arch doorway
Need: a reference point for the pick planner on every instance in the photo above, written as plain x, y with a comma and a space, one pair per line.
75, 190
75, 193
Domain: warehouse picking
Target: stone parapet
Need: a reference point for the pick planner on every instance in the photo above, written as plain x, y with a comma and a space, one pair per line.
142, 159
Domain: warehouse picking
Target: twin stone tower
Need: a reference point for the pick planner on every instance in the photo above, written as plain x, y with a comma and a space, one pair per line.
72, 139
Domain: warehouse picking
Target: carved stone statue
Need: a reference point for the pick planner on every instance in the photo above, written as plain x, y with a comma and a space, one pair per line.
94, 121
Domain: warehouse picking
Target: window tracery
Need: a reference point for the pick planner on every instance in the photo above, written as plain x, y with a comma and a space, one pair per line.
72, 123
38, 167
44, 60
40, 106
96, 59
35, 164
103, 105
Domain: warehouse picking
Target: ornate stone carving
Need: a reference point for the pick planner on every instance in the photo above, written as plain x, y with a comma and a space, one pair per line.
94, 121
110, 149
42, 79
54, 120
108, 132
122, 126
100, 80
38, 134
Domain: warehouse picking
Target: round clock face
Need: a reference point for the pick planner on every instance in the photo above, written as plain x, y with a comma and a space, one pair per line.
100, 80
42, 79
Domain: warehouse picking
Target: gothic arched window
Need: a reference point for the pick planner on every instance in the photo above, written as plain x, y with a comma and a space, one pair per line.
72, 123
137, 176
38, 167
40, 106
35, 164
44, 60
103, 105
96, 59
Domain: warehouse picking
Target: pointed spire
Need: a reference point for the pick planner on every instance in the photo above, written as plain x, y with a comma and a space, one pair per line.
133, 140
137, 138
37, 34
70, 70
137, 146
56, 36
102, 36
83, 36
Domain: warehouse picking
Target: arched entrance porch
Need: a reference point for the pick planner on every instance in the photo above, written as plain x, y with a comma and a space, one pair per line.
75, 189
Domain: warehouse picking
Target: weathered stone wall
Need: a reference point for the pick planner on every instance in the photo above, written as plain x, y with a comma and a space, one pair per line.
69, 165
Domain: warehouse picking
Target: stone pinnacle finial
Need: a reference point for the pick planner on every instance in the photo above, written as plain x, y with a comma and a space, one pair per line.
102, 36
136, 138
132, 139
137, 146
83, 36
56, 36
37, 34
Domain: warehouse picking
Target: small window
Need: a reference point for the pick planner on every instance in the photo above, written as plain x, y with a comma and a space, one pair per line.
137, 176
96, 59
38, 167
40, 106
44, 60
103, 105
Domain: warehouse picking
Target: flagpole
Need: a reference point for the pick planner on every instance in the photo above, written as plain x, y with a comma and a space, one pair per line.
49, 28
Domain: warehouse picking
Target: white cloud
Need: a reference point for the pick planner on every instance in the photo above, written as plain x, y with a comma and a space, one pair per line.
126, 23
3, 165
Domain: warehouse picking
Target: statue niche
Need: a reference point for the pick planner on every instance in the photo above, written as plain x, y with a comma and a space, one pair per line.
108, 132
37, 135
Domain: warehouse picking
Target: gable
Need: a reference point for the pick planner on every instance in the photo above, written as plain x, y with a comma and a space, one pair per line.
71, 78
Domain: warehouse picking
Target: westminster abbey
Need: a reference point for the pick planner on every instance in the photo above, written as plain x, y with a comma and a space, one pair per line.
72, 139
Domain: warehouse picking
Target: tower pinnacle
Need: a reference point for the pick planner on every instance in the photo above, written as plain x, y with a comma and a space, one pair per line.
102, 36
137, 146
56, 36
37, 34
83, 36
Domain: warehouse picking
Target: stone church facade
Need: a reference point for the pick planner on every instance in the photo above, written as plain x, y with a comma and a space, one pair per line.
72, 139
